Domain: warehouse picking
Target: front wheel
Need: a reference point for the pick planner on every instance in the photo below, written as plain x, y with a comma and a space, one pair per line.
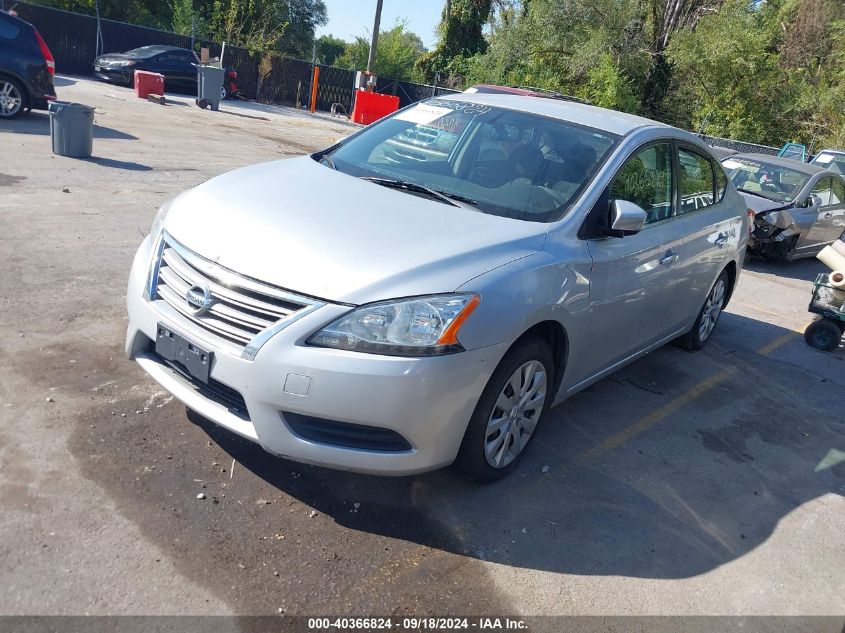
224, 94
709, 315
823, 334
508, 412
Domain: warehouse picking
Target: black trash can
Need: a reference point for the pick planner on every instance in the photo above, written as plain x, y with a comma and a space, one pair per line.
71, 129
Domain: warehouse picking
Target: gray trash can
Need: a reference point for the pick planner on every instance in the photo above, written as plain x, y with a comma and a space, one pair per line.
71, 129
209, 84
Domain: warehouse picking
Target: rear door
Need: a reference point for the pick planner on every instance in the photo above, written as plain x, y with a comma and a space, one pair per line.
712, 232
632, 279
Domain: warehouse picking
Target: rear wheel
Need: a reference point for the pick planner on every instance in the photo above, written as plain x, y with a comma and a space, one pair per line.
12, 98
823, 334
709, 315
223, 93
508, 412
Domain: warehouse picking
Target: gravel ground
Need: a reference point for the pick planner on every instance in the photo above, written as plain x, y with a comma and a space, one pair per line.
707, 483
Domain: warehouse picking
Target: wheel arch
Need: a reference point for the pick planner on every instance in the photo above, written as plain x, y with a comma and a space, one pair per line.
21, 82
554, 334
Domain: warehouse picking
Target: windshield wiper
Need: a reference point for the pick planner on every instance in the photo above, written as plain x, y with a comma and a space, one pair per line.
412, 187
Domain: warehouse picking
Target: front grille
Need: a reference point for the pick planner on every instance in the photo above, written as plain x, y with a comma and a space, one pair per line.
214, 390
239, 310
345, 434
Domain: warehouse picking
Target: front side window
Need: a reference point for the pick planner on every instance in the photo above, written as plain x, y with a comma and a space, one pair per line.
646, 180
823, 190
721, 182
695, 180
837, 195
494, 160
768, 180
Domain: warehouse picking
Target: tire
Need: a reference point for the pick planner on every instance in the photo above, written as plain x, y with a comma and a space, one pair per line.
13, 98
708, 317
224, 94
823, 334
488, 455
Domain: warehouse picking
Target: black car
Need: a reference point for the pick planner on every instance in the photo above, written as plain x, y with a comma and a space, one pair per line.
26, 68
176, 64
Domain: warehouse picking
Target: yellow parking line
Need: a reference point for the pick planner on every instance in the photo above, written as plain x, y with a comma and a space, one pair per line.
645, 423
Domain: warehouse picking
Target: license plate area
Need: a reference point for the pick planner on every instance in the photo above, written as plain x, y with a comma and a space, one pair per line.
177, 349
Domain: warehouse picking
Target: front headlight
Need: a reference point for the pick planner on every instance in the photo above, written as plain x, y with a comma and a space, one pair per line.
124, 63
158, 220
419, 326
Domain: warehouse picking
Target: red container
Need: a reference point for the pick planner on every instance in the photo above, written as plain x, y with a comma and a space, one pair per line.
147, 83
371, 106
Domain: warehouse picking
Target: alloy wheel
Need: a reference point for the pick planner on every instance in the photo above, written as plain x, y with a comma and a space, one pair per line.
515, 414
11, 99
712, 310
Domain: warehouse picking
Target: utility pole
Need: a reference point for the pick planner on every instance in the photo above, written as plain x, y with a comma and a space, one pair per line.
371, 60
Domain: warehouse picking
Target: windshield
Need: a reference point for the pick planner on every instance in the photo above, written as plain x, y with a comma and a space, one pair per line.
828, 160
497, 161
774, 182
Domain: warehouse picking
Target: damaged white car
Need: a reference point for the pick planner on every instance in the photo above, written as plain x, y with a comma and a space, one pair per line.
799, 208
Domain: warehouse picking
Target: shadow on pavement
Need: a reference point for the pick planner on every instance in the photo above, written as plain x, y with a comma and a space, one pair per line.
117, 164
801, 269
671, 467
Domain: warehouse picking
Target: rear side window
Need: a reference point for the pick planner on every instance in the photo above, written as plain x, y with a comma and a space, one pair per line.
646, 180
696, 181
9, 31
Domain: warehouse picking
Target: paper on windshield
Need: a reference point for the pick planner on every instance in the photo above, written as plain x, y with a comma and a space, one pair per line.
422, 114
823, 159
731, 164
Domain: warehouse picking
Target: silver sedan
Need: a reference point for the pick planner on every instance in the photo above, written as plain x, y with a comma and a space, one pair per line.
424, 291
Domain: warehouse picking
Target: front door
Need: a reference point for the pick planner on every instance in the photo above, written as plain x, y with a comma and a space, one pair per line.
817, 218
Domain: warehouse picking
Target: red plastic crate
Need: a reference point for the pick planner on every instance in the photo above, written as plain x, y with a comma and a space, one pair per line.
147, 83
371, 106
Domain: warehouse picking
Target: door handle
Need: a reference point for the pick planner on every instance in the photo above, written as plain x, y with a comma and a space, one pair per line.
722, 239
669, 258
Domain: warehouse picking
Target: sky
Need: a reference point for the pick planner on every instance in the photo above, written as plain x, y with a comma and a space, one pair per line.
349, 18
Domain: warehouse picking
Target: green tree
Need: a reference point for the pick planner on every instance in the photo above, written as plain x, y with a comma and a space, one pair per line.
329, 48
461, 36
396, 55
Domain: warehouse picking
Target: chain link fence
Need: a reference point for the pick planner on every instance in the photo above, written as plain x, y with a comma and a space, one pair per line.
72, 38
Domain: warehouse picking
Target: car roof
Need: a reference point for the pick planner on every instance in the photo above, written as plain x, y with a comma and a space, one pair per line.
155, 49
15, 20
779, 161
840, 152
611, 121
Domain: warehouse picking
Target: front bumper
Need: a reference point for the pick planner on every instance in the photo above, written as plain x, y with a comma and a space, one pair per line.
428, 401
114, 76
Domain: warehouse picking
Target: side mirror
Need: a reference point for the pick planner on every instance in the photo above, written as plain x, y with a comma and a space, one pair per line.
626, 218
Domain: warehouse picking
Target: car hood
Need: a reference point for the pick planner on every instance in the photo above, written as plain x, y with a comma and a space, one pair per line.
307, 228
759, 204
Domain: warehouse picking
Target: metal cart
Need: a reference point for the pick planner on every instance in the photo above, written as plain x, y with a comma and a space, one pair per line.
826, 332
